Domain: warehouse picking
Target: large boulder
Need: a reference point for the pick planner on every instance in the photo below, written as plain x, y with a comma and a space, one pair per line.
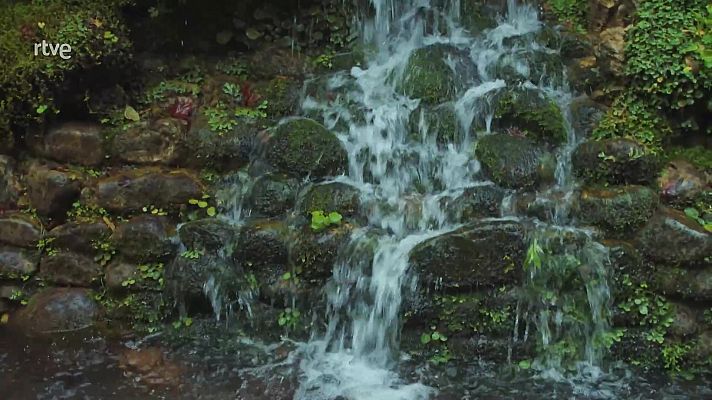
328, 197
616, 161
314, 254
82, 237
73, 142
429, 76
57, 310
262, 244
682, 184
157, 143
145, 238
695, 285
9, 185
132, 190
514, 161
70, 269
302, 147
531, 113
17, 263
619, 210
273, 194
226, 151
51, 191
19, 230
674, 238
480, 254
209, 234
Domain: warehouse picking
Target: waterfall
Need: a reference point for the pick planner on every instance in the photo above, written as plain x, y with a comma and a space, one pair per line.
403, 180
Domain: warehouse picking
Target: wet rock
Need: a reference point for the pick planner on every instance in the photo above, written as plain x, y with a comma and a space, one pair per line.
19, 230
150, 366
17, 263
9, 185
439, 122
530, 113
282, 96
314, 254
672, 237
617, 161
70, 269
159, 143
702, 347
273, 195
81, 237
618, 210
475, 202
429, 77
477, 16
207, 234
74, 142
514, 161
132, 190
681, 183
145, 238
328, 197
684, 321
585, 115
262, 244
185, 281
683, 283
480, 254
118, 273
51, 192
59, 310
226, 151
302, 147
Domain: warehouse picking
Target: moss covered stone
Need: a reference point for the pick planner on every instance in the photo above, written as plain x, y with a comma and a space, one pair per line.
617, 161
428, 76
334, 196
532, 113
439, 122
273, 194
618, 210
302, 147
674, 238
514, 161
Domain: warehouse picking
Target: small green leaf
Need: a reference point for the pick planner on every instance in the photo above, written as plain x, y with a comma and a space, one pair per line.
286, 276
193, 202
211, 211
131, 114
524, 364
692, 213
41, 109
335, 217
425, 338
202, 204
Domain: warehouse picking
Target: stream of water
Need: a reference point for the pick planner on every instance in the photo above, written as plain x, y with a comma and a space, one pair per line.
402, 181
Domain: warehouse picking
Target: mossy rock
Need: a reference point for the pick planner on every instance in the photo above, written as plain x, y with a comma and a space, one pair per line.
673, 238
439, 122
273, 194
694, 285
226, 151
302, 147
210, 234
428, 76
474, 202
616, 161
328, 197
262, 244
476, 16
514, 161
281, 95
618, 210
532, 113
476, 255
313, 255
145, 238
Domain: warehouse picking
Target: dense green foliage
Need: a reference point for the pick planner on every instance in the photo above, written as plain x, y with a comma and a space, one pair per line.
571, 13
28, 83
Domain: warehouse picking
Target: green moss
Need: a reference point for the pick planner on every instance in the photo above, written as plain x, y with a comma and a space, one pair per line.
570, 13
634, 117
534, 115
428, 76
619, 210
29, 83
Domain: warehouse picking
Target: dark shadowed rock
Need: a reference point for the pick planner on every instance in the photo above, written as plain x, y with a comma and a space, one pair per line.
17, 263
674, 238
9, 185
695, 285
74, 142
618, 210
617, 161
207, 234
145, 238
314, 254
475, 202
480, 254
585, 114
514, 161
82, 237
50, 191
262, 244
273, 195
70, 269
59, 310
117, 273
132, 190
302, 147
19, 230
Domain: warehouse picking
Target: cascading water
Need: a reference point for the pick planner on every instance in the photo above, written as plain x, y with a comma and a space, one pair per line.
403, 171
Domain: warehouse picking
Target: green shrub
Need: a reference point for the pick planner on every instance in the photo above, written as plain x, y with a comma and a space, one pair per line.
666, 52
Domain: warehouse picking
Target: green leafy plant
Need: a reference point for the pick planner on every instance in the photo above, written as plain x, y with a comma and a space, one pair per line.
45, 246
694, 214
571, 13
182, 322
192, 254
253, 113
651, 310
105, 250
321, 221
534, 255
232, 90
673, 355
289, 318
220, 119
203, 204
151, 209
